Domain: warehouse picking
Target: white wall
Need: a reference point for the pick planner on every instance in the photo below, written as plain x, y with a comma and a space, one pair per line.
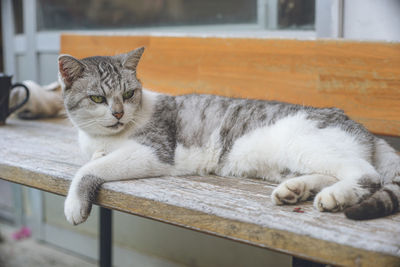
372, 20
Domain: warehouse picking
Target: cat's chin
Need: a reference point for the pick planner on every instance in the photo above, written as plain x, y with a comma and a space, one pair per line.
106, 130
115, 129
116, 126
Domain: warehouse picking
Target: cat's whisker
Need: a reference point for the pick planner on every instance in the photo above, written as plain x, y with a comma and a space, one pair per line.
85, 124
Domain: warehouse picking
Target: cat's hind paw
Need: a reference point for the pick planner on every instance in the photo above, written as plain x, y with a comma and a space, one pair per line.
329, 200
76, 211
337, 197
290, 192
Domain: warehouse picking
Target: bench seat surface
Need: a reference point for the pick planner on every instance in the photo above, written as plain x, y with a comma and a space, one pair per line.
44, 154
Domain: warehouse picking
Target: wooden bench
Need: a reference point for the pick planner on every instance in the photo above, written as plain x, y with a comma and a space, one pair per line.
360, 77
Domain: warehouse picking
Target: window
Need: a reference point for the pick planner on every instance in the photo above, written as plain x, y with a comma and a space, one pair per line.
134, 14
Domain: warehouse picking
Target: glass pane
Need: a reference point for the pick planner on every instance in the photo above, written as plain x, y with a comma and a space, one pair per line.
296, 14
131, 14
103, 14
18, 17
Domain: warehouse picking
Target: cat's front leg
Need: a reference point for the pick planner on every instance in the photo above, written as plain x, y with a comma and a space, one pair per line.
81, 194
132, 161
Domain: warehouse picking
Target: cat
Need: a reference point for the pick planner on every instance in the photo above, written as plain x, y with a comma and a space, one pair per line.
43, 102
130, 132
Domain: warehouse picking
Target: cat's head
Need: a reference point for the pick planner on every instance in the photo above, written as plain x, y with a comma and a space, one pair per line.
102, 95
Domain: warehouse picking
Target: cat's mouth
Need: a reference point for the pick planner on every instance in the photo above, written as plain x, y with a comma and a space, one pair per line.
115, 126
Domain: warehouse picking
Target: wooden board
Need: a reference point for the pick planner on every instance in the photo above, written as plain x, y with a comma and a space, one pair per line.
45, 155
363, 78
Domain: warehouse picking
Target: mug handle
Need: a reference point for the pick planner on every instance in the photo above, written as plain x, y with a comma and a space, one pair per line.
11, 110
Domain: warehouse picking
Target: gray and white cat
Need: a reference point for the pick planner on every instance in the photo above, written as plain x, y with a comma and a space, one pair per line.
130, 132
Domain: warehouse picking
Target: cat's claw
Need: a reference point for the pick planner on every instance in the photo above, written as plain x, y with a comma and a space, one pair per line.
76, 211
289, 192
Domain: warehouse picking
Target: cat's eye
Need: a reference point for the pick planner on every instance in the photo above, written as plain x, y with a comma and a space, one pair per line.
128, 94
97, 99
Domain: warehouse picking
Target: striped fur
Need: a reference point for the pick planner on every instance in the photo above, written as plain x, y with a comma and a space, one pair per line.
386, 199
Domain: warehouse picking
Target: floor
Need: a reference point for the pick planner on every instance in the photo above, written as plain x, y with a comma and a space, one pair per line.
29, 252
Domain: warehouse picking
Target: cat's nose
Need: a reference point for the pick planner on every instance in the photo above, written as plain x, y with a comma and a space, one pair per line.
118, 115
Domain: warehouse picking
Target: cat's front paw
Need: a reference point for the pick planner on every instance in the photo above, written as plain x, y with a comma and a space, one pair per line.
290, 192
76, 210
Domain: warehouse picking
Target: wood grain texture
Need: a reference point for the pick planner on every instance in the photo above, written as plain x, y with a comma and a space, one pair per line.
45, 155
363, 78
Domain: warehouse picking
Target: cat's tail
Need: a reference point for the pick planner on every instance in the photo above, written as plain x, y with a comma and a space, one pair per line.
386, 200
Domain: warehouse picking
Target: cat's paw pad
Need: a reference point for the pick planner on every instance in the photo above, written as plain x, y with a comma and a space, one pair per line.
98, 154
289, 192
76, 210
330, 200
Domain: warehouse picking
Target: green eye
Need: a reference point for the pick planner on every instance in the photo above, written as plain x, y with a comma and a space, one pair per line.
128, 94
98, 99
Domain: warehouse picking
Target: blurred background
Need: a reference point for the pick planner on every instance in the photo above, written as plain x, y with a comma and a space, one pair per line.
30, 31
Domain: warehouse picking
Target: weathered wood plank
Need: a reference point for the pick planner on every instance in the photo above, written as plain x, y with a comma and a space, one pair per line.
363, 78
45, 155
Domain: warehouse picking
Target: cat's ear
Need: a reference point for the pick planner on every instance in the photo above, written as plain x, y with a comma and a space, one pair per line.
69, 69
131, 59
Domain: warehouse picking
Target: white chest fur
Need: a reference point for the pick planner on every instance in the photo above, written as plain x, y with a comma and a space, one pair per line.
89, 144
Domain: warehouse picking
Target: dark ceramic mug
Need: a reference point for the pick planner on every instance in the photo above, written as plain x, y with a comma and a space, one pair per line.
5, 88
